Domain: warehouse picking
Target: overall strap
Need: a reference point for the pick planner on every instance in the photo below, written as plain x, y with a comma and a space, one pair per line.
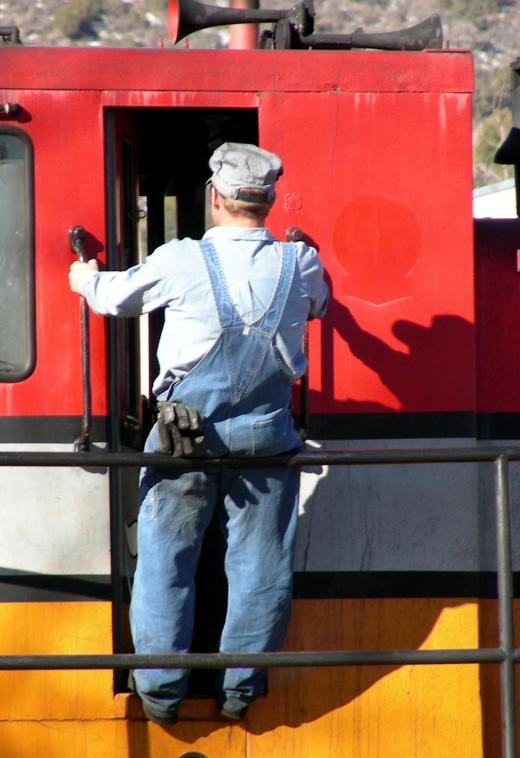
271, 318
227, 313
244, 347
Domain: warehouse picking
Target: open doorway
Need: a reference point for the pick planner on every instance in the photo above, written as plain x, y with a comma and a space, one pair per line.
157, 168
174, 147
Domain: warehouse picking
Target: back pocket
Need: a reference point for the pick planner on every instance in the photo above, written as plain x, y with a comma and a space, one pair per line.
275, 434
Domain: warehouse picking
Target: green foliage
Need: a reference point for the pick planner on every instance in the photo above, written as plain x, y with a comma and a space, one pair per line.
479, 12
492, 90
489, 134
470, 8
74, 19
492, 121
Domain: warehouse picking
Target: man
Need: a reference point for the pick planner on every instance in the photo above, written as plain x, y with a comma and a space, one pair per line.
231, 349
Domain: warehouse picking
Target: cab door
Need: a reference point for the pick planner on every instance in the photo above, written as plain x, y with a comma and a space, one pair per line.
128, 367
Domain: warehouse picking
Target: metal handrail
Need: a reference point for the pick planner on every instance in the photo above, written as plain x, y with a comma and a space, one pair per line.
299, 460
253, 660
505, 655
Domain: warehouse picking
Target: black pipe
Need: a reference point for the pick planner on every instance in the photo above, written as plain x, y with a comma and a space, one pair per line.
505, 606
77, 238
330, 458
252, 660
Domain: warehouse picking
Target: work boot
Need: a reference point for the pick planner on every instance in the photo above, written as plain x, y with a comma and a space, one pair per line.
162, 718
233, 708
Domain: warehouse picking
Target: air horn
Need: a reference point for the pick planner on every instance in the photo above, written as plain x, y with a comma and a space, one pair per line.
188, 16
294, 28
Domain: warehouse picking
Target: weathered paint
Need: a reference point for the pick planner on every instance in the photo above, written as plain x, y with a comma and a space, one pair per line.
235, 70
54, 520
421, 710
399, 332
416, 517
361, 198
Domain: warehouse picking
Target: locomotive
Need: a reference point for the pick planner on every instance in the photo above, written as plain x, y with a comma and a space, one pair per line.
104, 153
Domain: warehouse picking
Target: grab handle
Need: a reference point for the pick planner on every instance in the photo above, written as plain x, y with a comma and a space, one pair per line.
77, 237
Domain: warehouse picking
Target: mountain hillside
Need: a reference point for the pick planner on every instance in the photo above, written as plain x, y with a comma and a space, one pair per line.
487, 27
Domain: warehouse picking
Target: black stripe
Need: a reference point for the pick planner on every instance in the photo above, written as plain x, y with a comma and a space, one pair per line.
343, 426
321, 585
330, 426
51, 429
499, 426
359, 426
21, 587
17, 587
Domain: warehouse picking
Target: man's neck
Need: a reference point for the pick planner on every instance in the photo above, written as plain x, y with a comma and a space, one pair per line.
240, 221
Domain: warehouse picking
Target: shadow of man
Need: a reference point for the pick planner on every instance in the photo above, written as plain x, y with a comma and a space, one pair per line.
431, 372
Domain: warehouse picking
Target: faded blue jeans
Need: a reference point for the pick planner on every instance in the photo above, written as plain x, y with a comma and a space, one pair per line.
258, 509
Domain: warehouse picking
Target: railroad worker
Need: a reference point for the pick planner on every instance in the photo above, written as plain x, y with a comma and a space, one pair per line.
236, 306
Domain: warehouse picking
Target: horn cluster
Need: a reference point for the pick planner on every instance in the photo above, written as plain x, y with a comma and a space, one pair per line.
294, 28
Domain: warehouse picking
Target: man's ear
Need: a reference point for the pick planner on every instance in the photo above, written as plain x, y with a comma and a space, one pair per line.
215, 199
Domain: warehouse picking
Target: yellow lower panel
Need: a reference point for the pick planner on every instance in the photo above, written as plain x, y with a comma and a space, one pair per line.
374, 712
371, 712
117, 739
49, 629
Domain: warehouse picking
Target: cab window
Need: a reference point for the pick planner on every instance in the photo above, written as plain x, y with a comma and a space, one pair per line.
16, 256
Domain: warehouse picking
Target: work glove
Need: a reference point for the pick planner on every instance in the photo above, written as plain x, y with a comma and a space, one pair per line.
180, 428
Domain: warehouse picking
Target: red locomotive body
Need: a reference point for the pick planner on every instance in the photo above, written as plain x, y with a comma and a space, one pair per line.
378, 174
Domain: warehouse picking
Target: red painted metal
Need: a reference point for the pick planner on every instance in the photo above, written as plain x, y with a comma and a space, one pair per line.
234, 70
147, 99
66, 131
497, 287
173, 19
243, 36
385, 181
377, 155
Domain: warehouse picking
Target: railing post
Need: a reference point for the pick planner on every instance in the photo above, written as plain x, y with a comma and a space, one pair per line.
505, 605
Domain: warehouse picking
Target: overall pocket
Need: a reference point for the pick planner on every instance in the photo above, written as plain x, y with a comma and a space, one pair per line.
275, 434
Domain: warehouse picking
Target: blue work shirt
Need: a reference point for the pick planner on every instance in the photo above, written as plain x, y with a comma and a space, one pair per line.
175, 277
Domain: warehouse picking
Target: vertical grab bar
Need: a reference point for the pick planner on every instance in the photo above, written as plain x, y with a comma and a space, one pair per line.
505, 605
293, 234
77, 236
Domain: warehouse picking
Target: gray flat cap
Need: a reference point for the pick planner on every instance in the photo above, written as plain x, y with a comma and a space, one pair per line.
238, 168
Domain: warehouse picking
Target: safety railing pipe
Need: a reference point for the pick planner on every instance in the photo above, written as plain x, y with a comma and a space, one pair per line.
329, 458
505, 605
506, 655
253, 660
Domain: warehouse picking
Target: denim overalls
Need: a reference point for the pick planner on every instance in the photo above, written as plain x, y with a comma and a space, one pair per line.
243, 388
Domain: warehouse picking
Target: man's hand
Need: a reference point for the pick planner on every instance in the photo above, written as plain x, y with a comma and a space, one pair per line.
78, 271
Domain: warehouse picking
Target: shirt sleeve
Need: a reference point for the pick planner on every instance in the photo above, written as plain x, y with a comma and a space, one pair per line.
313, 281
140, 289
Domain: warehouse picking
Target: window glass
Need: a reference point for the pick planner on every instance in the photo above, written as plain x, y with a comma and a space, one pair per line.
16, 256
